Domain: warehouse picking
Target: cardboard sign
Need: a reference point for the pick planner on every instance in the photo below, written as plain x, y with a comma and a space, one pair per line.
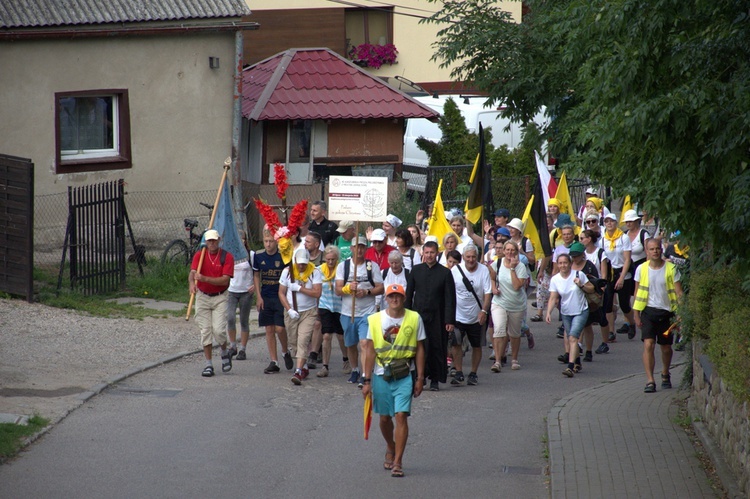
360, 199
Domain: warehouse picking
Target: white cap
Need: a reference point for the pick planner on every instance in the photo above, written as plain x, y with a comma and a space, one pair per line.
345, 225
431, 239
378, 235
211, 235
301, 255
610, 216
630, 216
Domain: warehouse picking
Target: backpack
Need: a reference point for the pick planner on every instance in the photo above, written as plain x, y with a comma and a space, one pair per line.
595, 299
368, 265
411, 256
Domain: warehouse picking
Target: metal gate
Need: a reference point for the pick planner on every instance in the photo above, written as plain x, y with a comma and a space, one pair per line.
96, 237
17, 226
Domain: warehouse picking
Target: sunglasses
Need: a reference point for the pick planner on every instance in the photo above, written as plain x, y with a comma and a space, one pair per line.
592, 222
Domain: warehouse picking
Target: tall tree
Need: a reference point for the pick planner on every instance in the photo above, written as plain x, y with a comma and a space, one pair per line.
652, 98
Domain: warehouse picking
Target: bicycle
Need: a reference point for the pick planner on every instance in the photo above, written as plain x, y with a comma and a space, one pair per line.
180, 252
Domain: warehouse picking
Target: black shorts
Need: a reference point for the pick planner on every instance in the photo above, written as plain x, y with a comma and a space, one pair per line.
272, 313
473, 331
655, 322
330, 321
623, 294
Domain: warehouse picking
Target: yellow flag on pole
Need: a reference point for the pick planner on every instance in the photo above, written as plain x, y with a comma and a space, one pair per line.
563, 195
626, 205
439, 226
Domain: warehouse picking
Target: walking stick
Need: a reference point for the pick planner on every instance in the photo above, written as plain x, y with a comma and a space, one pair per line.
227, 162
354, 271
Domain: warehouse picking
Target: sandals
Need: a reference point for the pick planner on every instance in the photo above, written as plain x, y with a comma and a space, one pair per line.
666, 381
536, 318
208, 371
388, 465
650, 387
568, 372
396, 471
515, 366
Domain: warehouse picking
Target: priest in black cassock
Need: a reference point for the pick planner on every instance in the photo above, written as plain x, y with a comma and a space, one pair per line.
431, 292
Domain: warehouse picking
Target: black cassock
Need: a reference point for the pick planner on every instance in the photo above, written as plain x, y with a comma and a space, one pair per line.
431, 292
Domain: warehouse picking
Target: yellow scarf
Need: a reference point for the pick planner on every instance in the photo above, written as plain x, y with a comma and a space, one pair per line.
328, 273
681, 251
613, 238
305, 275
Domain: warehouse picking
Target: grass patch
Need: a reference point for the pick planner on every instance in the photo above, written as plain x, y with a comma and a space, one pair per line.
159, 282
11, 435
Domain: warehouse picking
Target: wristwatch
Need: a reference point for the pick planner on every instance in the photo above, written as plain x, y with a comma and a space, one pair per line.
368, 292
366, 381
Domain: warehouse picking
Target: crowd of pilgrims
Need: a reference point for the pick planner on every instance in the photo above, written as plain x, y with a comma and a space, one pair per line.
594, 247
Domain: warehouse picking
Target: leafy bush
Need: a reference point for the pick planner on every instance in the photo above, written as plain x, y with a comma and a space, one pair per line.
719, 312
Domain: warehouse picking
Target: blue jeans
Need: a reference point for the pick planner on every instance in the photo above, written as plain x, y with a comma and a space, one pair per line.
574, 323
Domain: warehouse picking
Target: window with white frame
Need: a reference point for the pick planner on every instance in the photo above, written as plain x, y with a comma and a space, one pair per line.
92, 130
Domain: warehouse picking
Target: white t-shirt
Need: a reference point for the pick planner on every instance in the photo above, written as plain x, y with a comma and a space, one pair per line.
417, 258
511, 299
304, 302
572, 298
560, 250
657, 286
594, 258
243, 277
391, 278
467, 308
386, 321
365, 305
638, 252
616, 256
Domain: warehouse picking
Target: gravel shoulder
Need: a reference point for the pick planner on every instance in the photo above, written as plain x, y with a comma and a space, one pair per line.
49, 357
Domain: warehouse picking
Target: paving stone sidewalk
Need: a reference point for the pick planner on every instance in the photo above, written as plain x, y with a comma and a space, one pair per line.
616, 441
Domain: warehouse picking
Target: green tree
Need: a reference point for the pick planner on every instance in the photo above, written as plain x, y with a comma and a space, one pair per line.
652, 98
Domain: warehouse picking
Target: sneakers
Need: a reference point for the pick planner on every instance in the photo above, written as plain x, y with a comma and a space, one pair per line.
346, 368
305, 373
208, 371
588, 357
361, 382
297, 378
563, 357
561, 332
666, 381
625, 328
473, 380
631, 331
272, 368
458, 379
568, 372
226, 362
312, 360
452, 372
612, 337
530, 338
354, 378
434, 386
241, 355
323, 373
603, 348
288, 361
496, 367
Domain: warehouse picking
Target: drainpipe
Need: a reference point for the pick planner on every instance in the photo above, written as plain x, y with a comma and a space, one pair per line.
238, 200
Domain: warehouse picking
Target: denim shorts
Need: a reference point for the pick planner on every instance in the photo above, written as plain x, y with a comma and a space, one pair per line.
574, 324
353, 333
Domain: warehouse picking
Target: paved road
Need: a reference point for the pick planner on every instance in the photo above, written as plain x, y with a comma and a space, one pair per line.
170, 433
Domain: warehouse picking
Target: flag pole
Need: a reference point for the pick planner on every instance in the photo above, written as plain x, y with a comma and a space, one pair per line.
354, 270
227, 163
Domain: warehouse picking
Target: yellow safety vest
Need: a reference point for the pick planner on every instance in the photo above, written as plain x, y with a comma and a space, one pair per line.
405, 344
641, 297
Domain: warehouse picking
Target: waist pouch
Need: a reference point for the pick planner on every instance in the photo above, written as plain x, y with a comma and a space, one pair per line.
396, 369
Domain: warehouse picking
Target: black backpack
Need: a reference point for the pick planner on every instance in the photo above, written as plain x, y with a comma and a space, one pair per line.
368, 265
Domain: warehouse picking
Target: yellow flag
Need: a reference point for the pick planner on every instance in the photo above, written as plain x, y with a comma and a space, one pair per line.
439, 226
626, 205
566, 204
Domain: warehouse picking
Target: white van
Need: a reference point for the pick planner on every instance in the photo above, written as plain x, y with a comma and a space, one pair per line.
474, 112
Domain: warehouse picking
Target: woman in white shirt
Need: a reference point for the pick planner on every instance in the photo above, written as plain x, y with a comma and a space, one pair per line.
617, 247
405, 246
241, 289
569, 288
509, 277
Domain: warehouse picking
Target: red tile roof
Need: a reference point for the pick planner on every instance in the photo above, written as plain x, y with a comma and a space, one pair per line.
317, 83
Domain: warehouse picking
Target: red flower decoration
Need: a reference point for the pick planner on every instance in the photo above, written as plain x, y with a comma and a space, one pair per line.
297, 218
279, 176
269, 215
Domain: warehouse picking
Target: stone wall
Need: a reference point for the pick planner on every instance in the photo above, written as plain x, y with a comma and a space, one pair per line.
726, 419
